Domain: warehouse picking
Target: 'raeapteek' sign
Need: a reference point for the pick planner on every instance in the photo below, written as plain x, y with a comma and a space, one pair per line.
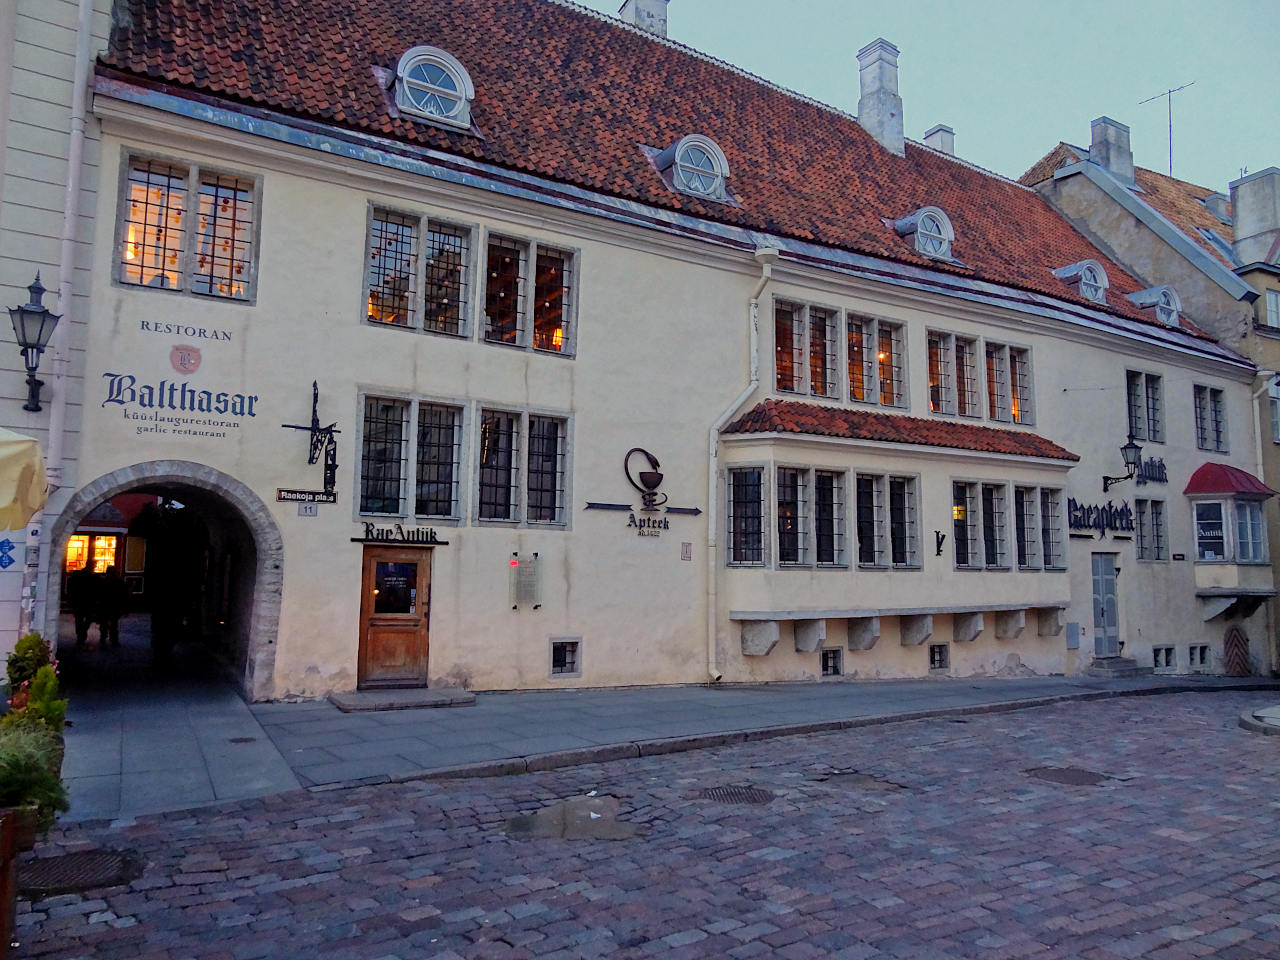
1100, 517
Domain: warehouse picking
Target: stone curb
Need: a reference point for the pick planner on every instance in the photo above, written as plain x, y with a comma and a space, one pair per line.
514, 766
1253, 725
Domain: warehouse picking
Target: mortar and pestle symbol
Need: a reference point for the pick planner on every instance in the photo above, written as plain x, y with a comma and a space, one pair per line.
649, 480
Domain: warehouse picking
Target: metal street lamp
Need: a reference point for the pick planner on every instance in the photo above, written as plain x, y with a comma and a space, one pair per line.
1132, 454
32, 327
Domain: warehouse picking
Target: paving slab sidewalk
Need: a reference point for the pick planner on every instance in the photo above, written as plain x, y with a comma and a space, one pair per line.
143, 751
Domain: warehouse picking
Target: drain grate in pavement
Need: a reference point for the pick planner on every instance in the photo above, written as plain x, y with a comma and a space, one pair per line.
1072, 776
76, 872
735, 795
854, 780
243, 740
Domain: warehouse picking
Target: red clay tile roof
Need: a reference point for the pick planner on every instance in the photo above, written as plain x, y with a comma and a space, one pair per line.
571, 96
791, 416
1176, 200
1224, 478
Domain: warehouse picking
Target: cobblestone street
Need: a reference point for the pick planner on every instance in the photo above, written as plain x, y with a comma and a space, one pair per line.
927, 839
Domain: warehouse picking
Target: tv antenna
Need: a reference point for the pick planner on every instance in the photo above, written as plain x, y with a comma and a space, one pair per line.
1168, 95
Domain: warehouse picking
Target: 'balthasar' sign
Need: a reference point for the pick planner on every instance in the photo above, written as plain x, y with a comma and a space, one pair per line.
1100, 517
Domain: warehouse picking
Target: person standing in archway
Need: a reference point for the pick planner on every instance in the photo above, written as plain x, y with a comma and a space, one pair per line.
113, 600
82, 593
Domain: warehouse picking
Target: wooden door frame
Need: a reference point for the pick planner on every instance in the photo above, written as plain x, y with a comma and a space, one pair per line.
393, 553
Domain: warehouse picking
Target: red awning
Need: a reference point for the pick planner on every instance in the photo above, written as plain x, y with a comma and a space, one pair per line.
1221, 478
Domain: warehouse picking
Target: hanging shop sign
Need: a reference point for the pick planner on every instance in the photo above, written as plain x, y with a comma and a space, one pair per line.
321, 444
646, 483
401, 536
1100, 517
1151, 470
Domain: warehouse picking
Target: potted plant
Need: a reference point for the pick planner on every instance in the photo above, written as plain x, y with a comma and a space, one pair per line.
29, 782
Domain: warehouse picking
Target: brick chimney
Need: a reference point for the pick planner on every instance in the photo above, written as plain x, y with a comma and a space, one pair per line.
648, 15
1255, 201
1110, 148
880, 107
941, 138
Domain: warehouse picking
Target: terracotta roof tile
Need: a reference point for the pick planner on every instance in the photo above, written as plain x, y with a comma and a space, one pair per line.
791, 416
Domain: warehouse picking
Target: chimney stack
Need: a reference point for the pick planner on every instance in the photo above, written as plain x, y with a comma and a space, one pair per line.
1217, 204
1110, 149
880, 107
1255, 201
941, 138
648, 15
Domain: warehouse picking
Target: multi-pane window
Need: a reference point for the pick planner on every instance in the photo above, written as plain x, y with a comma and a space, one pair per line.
903, 550
438, 459
166, 245
1211, 533
499, 465
503, 435
805, 349
1251, 546
967, 377
877, 361
746, 515
964, 523
994, 525
383, 455
828, 516
546, 486
1273, 395
1008, 383
1144, 393
1272, 318
1211, 425
1026, 520
793, 515
861, 344
1151, 536
832, 662
869, 503
890, 358
941, 373
1051, 544
405, 257
887, 521
547, 322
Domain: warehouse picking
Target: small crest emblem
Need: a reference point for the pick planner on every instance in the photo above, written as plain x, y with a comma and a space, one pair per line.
185, 359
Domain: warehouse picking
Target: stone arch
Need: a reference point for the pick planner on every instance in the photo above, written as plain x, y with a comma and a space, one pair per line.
258, 680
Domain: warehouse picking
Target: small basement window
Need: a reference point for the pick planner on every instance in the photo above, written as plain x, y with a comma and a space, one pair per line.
566, 658
1163, 659
832, 662
939, 656
1198, 655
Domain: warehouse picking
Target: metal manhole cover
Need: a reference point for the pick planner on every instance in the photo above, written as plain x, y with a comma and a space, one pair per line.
735, 795
1072, 776
75, 872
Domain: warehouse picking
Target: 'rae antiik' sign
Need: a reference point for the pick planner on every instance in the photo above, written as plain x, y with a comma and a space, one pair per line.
1100, 517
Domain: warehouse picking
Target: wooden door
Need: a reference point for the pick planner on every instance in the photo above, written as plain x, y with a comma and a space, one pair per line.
394, 614
1106, 620
1235, 654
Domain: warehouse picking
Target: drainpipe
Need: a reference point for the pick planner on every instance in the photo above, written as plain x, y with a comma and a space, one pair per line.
1257, 439
766, 257
54, 452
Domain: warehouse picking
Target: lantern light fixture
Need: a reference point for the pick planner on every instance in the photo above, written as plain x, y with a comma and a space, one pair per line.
33, 325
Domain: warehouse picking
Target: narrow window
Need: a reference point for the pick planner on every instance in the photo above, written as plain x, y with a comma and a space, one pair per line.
1201, 395
994, 539
941, 394
551, 287
504, 292
861, 373
382, 455
1020, 385
1142, 531
1136, 404
822, 352
902, 522
964, 517
966, 377
832, 662
499, 434
1218, 420
392, 267
154, 227
1249, 532
1051, 529
1159, 539
1163, 659
439, 448
889, 356
1272, 319
870, 520
997, 382
1273, 395
1155, 408
828, 516
224, 237
1026, 518
746, 528
788, 342
793, 535
546, 470
939, 656
448, 257
1211, 539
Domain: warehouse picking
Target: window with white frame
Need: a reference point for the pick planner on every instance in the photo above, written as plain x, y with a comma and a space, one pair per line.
1272, 316
1149, 528
805, 349
1168, 307
1144, 394
538, 498
1211, 530
1211, 419
877, 361
745, 516
166, 242
1008, 383
964, 526
432, 85
1093, 282
388, 446
995, 539
698, 166
546, 324
930, 230
1026, 520
793, 515
1273, 396
417, 272
1051, 541
887, 521
1251, 541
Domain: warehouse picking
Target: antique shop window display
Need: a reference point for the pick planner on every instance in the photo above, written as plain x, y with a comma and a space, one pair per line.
388, 446
164, 244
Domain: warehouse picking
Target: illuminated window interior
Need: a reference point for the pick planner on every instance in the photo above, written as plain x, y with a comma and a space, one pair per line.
77, 552
152, 255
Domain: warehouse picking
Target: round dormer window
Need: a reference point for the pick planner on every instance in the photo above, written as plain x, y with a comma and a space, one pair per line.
432, 85
1093, 284
1167, 307
931, 236
432, 90
696, 171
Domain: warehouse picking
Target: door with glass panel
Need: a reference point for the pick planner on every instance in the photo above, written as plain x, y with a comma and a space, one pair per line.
1106, 619
394, 617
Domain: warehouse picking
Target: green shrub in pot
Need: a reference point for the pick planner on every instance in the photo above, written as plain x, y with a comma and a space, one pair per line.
28, 776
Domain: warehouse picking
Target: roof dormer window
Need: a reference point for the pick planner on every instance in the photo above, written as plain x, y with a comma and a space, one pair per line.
1164, 299
697, 166
932, 232
432, 85
1091, 277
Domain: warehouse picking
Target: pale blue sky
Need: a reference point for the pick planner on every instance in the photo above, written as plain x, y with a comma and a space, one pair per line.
1014, 78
